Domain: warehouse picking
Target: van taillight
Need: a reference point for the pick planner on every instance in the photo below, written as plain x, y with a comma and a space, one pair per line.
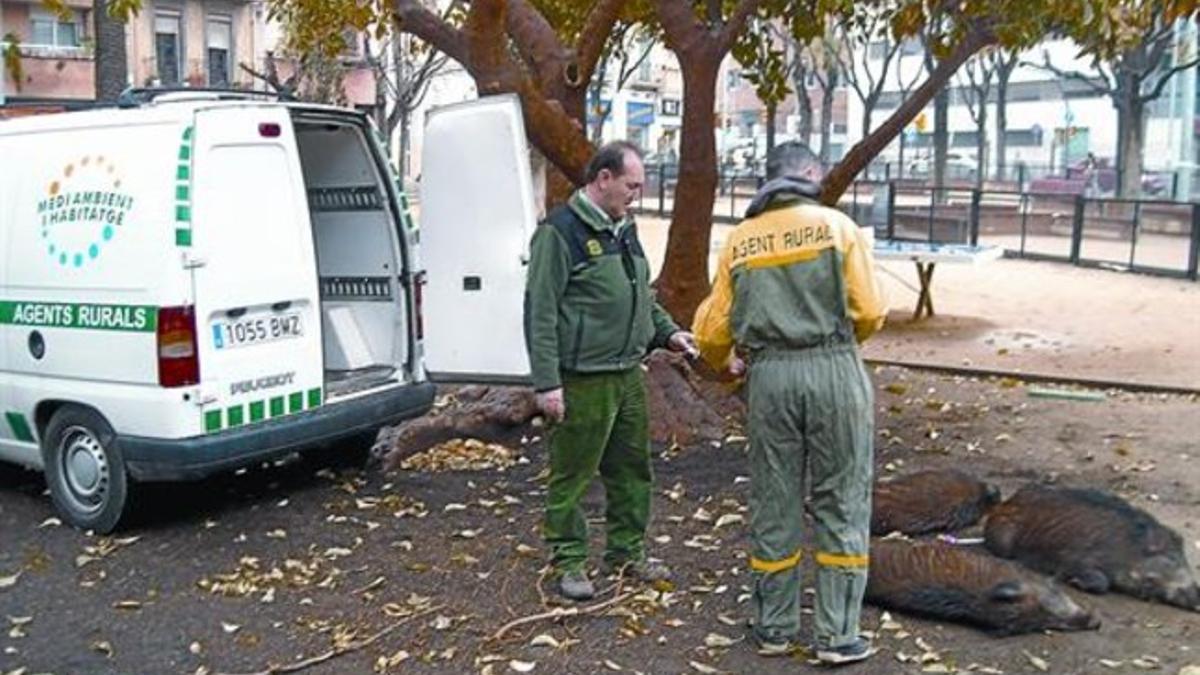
418, 295
178, 358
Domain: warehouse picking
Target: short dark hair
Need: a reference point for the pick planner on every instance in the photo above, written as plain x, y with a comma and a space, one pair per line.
792, 158
611, 156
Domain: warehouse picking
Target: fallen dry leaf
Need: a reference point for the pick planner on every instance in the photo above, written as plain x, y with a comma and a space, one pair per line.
702, 668
522, 666
728, 519
104, 647
1036, 661
9, 581
545, 640
718, 640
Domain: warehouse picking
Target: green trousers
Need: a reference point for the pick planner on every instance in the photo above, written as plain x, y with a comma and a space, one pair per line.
606, 430
810, 410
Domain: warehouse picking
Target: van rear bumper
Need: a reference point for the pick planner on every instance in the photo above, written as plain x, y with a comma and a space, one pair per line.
162, 459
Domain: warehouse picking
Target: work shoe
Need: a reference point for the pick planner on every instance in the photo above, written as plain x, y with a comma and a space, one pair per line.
858, 650
642, 570
773, 646
576, 586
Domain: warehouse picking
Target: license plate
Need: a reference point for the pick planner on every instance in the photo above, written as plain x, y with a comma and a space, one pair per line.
256, 330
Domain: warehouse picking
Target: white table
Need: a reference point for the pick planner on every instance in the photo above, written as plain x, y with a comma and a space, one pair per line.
926, 256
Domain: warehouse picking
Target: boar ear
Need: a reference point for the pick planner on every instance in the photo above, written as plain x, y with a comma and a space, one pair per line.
1007, 591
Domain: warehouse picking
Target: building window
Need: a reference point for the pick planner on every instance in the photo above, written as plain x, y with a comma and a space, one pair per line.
220, 49
1030, 138
167, 47
670, 106
49, 30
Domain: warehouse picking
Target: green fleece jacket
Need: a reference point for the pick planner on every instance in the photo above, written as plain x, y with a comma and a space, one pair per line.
588, 303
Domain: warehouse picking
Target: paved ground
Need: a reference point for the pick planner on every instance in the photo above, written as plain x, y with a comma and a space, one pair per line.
1033, 317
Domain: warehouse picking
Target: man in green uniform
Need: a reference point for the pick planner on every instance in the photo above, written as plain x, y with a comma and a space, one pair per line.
795, 290
590, 318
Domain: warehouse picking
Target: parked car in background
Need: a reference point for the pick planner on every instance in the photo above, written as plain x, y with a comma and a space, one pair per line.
959, 166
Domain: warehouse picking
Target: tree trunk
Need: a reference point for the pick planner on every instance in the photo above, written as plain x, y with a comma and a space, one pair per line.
804, 111
941, 136
111, 69
772, 112
827, 91
1131, 131
684, 282
981, 145
841, 176
1002, 121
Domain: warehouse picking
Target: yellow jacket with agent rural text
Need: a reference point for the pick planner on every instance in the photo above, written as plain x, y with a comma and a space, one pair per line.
794, 276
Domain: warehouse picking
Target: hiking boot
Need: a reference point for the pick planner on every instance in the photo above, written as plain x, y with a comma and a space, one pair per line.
576, 586
857, 650
641, 570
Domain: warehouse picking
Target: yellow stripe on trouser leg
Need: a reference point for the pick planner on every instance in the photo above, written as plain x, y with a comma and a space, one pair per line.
760, 565
847, 560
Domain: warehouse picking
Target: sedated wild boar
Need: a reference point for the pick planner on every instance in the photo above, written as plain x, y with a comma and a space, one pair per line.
1095, 541
965, 586
930, 501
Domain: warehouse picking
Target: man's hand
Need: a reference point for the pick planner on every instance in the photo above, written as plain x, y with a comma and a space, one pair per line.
683, 341
737, 367
551, 404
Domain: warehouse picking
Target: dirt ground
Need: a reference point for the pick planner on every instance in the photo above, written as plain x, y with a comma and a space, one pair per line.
314, 559
280, 564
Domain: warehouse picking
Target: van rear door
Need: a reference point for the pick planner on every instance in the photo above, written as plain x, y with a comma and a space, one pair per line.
477, 214
256, 295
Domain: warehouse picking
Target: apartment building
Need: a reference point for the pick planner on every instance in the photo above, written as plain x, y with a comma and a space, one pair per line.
179, 42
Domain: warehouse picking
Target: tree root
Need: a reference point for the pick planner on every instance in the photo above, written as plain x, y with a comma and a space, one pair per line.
340, 651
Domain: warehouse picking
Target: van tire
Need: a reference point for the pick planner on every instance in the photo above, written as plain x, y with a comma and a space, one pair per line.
85, 470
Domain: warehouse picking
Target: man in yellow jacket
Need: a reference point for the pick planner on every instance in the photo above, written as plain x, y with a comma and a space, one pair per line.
795, 292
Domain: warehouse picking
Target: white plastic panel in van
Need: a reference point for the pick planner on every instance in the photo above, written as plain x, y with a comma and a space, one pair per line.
477, 214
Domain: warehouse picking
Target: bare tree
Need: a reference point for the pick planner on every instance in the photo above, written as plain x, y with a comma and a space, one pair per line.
868, 40
627, 50
1006, 63
980, 74
801, 66
404, 68
827, 73
1131, 79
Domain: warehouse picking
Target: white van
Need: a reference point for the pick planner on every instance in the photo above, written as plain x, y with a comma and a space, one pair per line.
201, 281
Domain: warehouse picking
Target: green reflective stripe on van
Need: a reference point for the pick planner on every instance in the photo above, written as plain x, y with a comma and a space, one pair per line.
132, 318
258, 411
183, 190
19, 426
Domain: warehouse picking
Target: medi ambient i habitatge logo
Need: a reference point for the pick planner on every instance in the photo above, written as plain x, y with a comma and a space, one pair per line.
83, 210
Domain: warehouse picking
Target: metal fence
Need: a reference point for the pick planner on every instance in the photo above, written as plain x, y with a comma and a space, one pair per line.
1153, 236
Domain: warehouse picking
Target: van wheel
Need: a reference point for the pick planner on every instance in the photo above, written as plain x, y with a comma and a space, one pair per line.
85, 470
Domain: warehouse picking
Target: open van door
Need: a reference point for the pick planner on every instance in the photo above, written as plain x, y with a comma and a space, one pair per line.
477, 214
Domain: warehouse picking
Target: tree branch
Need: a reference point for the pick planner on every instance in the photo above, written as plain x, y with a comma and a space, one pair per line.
736, 23
536, 41
596, 28
1157, 90
837, 180
413, 18
682, 30
1105, 89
